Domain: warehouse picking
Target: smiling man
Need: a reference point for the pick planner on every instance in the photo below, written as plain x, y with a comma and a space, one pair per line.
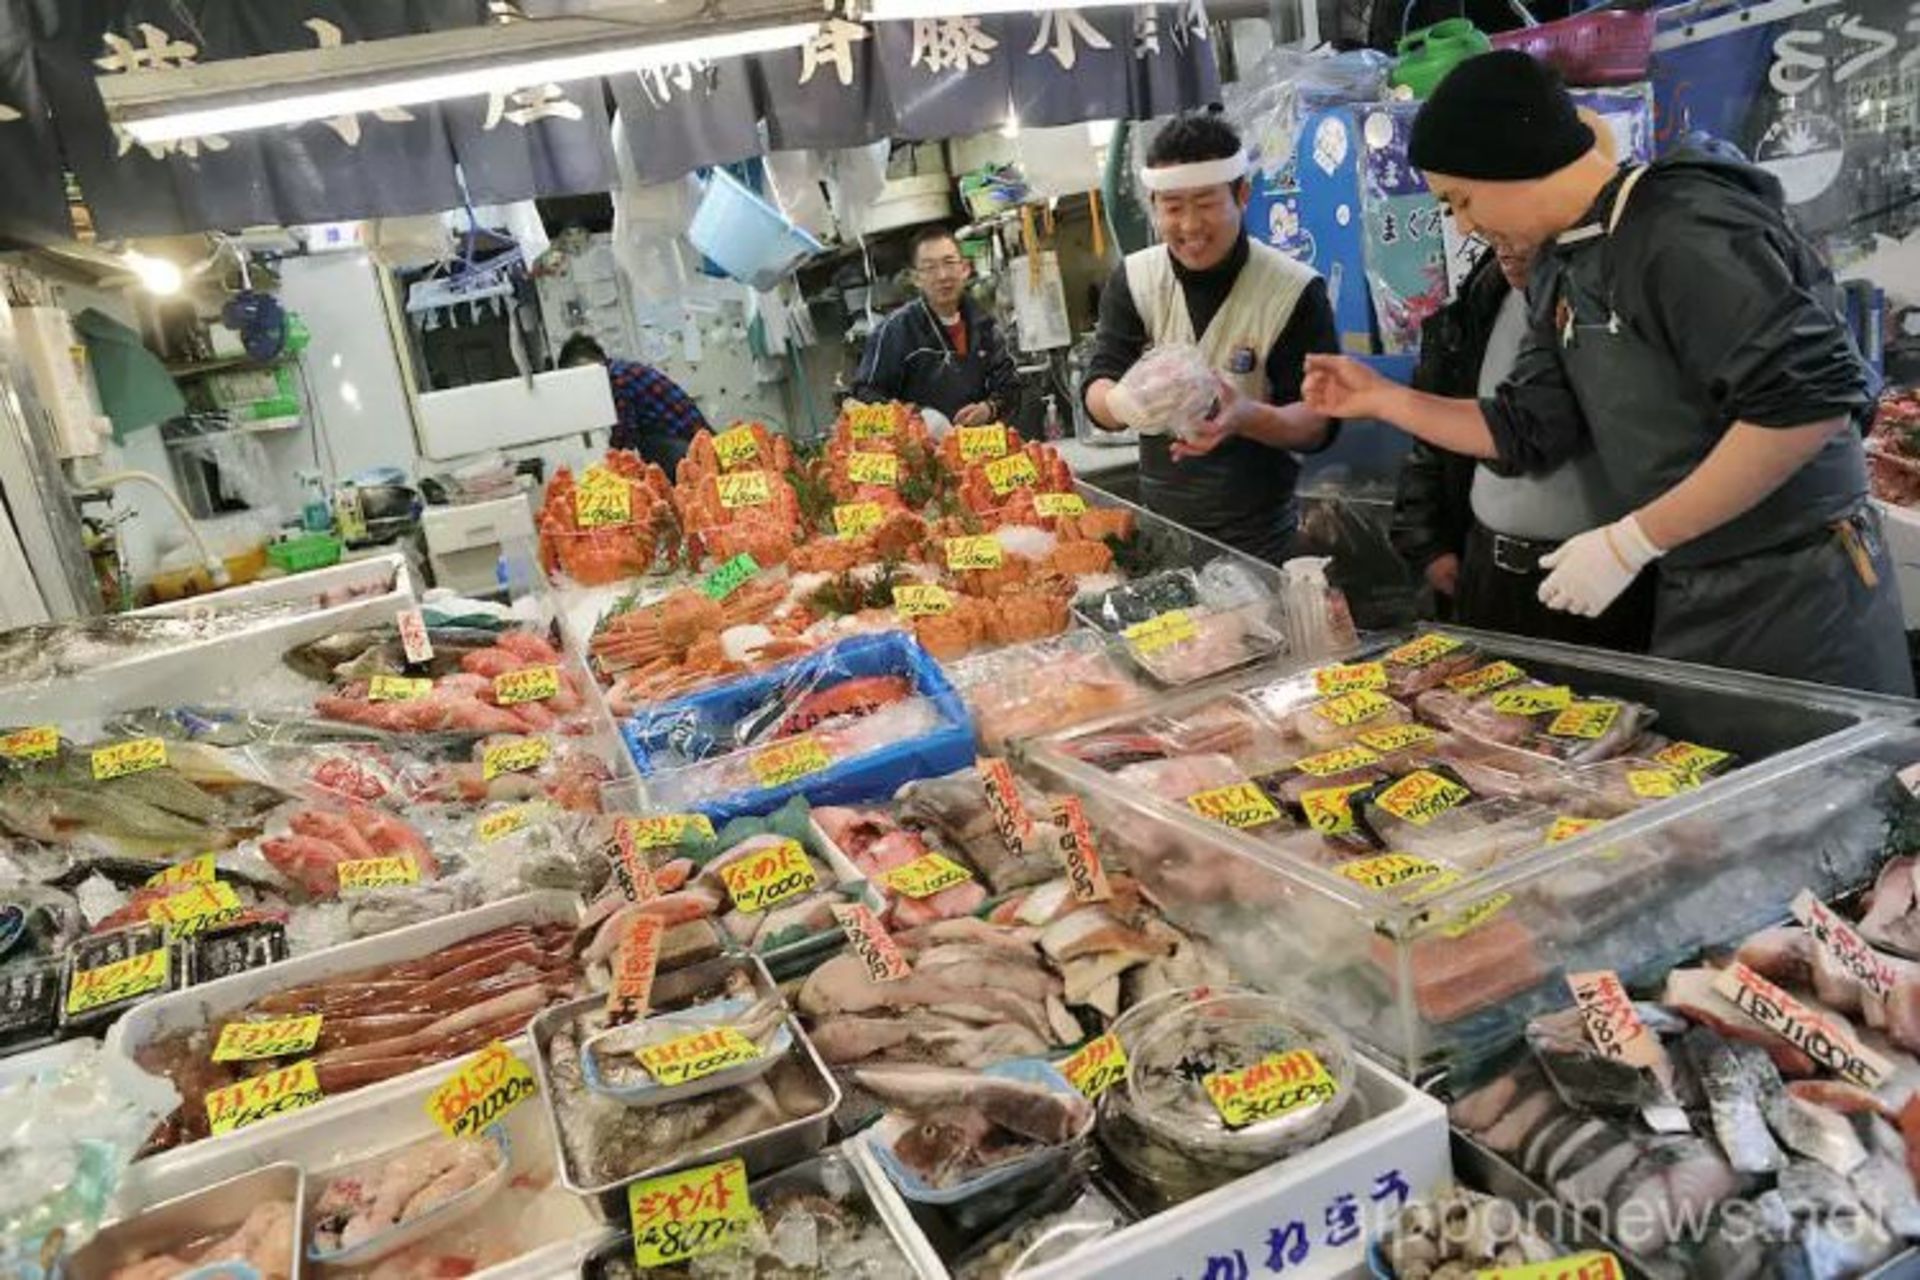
941, 351
1253, 312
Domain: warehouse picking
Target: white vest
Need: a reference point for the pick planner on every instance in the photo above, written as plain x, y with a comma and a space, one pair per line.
1243, 330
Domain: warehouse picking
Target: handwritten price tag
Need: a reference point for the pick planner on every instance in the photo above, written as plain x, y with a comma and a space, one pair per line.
1240, 806
683, 1215
602, 499
196, 909
927, 875
663, 829
529, 684
279, 1038
1010, 817
981, 444
498, 826
736, 447
633, 875
488, 1084
1844, 945
980, 552
1585, 720
1329, 810
1613, 1027
1007, 474
871, 942
414, 641
262, 1097
1476, 915
1484, 680
729, 577
1099, 1065
1593, 1265
1533, 702
856, 519
874, 468
789, 761
1086, 875
1274, 1086
634, 961
1350, 709
37, 743
522, 755
1173, 627
1422, 796
1658, 784
770, 876
697, 1054
1691, 758
398, 688
1389, 870
197, 870
1565, 828
1423, 650
123, 758
1336, 680
745, 489
1339, 760
1059, 504
363, 874
1396, 738
118, 980
870, 421
921, 600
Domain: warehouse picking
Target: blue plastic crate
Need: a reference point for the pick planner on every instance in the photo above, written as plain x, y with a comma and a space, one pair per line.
862, 779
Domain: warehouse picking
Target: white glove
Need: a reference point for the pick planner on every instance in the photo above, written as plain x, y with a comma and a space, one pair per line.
1591, 569
1127, 407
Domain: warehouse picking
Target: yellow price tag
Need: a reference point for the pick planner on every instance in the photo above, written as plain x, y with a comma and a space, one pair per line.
1017, 471
197, 870
769, 876
745, 489
927, 875
870, 421
1691, 758
921, 600
1396, 737
117, 980
1422, 796
196, 909
982, 444
1533, 702
1585, 720
521, 755
1592, 1265
1339, 760
398, 688
1336, 680
602, 499
1659, 784
1059, 504
682, 1215
378, 873
261, 1097
1239, 806
697, 1054
488, 1084
123, 758
1476, 915
663, 829
1565, 828
498, 826
874, 468
1484, 680
1099, 1065
1164, 631
789, 761
1329, 810
1423, 650
1274, 1086
1389, 870
277, 1038
854, 519
1350, 709
37, 743
529, 684
981, 552
735, 447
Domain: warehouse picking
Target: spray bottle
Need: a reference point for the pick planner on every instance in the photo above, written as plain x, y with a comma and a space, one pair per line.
1318, 622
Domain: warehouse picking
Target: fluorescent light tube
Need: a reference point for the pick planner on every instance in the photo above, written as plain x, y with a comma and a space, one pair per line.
903, 10
269, 110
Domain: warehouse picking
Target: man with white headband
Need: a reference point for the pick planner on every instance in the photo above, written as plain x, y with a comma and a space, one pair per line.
1253, 313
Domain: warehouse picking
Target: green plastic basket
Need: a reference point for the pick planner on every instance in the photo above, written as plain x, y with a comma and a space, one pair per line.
311, 551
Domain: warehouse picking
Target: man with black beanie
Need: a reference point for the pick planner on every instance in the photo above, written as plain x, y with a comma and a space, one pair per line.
1680, 324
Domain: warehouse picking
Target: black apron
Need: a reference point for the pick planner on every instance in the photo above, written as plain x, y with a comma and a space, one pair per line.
1241, 494
1800, 586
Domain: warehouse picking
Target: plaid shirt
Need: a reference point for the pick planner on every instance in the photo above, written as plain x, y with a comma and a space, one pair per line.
650, 403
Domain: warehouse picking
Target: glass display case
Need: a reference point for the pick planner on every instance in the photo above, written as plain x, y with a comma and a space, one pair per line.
1377, 838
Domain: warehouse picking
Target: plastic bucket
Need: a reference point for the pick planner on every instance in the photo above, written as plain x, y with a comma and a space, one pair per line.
745, 236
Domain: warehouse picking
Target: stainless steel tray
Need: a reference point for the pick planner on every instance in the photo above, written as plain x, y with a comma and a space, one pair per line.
220, 1208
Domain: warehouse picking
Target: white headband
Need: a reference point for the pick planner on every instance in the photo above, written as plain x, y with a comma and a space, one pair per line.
1201, 173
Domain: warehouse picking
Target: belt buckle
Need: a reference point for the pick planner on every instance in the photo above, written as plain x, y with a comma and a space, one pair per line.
1509, 557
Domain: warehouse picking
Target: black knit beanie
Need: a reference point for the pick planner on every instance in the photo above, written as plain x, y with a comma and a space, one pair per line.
1498, 117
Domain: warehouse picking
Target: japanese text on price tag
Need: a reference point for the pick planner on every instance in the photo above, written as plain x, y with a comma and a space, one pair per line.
414, 641
1099, 1065
729, 577
1336, 680
488, 1084
1691, 759
1613, 1028
745, 489
37, 743
789, 761
980, 444
659, 830
736, 447
1585, 720
683, 1215
856, 519
927, 875
1533, 701
696, 1054
1422, 796
1059, 504
123, 758
1339, 760
1389, 870
196, 909
1010, 817
768, 876
1353, 708
1163, 631
378, 873
1274, 1086
1010, 473
602, 499
1423, 650
1658, 784
1581, 1266
398, 688
279, 1038
522, 755
871, 942
1240, 806
498, 826
1484, 680
1475, 915
631, 990
1397, 737
1844, 945
979, 552
117, 980
1086, 876
870, 421
528, 684
196, 870
261, 1097
921, 600
1566, 828
874, 468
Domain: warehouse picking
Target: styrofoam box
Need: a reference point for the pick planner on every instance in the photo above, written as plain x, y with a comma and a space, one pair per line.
214, 669
1405, 1133
327, 1138
203, 1005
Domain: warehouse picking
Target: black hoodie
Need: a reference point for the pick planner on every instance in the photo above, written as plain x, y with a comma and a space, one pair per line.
1703, 308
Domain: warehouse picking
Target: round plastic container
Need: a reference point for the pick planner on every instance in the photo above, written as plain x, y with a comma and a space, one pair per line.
745, 236
880, 1139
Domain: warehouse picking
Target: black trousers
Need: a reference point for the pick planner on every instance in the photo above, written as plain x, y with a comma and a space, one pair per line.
1499, 590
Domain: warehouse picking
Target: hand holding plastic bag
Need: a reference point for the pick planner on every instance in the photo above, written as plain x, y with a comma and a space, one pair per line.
1170, 389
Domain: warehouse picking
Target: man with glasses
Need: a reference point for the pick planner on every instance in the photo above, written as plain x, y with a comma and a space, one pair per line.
941, 351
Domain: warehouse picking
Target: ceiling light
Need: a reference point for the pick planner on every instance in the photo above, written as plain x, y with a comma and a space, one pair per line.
157, 275
237, 94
